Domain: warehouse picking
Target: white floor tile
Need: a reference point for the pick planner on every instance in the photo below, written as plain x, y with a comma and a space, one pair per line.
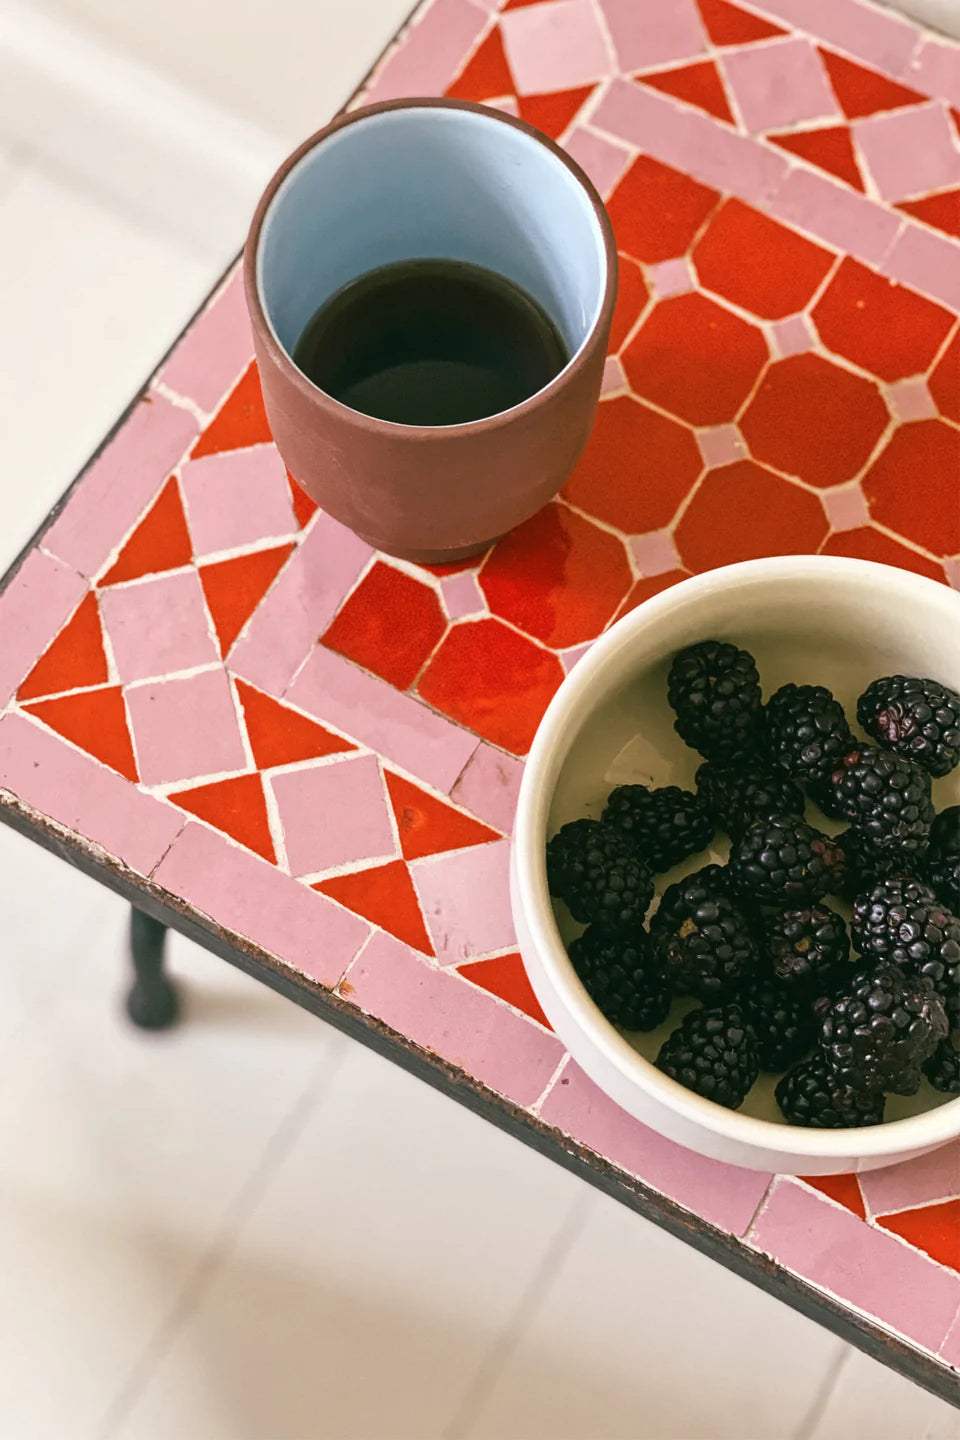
870, 1400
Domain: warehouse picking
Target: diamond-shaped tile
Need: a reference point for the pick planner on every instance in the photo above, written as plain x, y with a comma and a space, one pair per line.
236, 499
779, 84
157, 627
909, 152
185, 728
333, 814
554, 47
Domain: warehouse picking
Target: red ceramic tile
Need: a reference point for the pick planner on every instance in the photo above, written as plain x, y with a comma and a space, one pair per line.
778, 423
426, 825
698, 85
944, 380
727, 24
866, 543
505, 976
783, 518
656, 211
488, 677
829, 148
453, 567
73, 659
935, 1229
303, 507
632, 295
881, 326
237, 807
96, 721
486, 74
913, 486
389, 625
695, 359
279, 735
941, 211
861, 91
553, 113
649, 586
557, 577
385, 895
636, 469
160, 542
234, 588
241, 421
845, 1189
757, 263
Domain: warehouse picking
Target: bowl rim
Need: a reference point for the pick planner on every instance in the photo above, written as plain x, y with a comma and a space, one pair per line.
552, 740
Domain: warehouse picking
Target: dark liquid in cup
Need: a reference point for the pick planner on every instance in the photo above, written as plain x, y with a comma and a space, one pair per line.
430, 342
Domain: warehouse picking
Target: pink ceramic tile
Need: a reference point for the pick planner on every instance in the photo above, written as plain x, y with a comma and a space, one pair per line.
334, 814
691, 142
952, 570
489, 786
39, 599
184, 729
911, 400
83, 796
869, 34
555, 46
157, 627
792, 336
570, 658
720, 445
846, 509
462, 595
859, 1264
603, 161
455, 1020
647, 32
300, 605
431, 53
723, 1194
237, 498
304, 929
120, 484
402, 729
672, 277
917, 1182
936, 70
216, 349
950, 1349
833, 212
909, 152
465, 898
655, 552
779, 84
928, 262
613, 377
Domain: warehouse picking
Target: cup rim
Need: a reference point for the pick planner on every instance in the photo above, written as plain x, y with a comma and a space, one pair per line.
335, 408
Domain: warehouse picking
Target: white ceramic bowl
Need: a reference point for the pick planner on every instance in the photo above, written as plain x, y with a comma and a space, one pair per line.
812, 619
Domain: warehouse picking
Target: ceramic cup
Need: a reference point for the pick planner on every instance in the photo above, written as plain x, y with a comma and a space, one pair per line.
430, 179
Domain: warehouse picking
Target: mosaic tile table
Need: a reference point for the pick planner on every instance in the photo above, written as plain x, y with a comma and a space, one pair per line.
306, 755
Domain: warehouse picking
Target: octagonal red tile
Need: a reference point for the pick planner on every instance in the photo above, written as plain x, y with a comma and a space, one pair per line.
743, 512
944, 380
637, 468
656, 211
757, 263
879, 325
866, 543
695, 358
914, 485
632, 295
388, 625
812, 419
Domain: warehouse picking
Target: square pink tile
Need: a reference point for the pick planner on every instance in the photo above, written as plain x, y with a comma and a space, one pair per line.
936, 70
603, 161
489, 785
655, 552
792, 336
216, 350
651, 32
462, 595
555, 46
613, 377
911, 400
952, 570
923, 1181
465, 898
672, 277
909, 152
779, 84
720, 445
869, 34
240, 497
41, 596
157, 627
929, 263
334, 814
430, 54
833, 212
185, 729
846, 509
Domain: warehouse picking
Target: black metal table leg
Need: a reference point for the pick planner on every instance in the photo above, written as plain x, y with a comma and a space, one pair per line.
152, 1001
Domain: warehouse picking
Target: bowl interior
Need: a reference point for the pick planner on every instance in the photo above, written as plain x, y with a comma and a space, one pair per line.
812, 626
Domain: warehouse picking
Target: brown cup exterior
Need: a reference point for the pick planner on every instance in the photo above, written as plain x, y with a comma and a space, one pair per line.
429, 493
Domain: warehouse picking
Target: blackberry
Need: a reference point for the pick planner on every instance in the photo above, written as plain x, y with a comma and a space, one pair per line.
865, 864
702, 938
885, 797
714, 1053
809, 1095
943, 1067
879, 1031
782, 861
924, 940
714, 689
807, 947
919, 719
735, 796
942, 864
877, 912
596, 872
781, 1020
665, 825
807, 731
622, 978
